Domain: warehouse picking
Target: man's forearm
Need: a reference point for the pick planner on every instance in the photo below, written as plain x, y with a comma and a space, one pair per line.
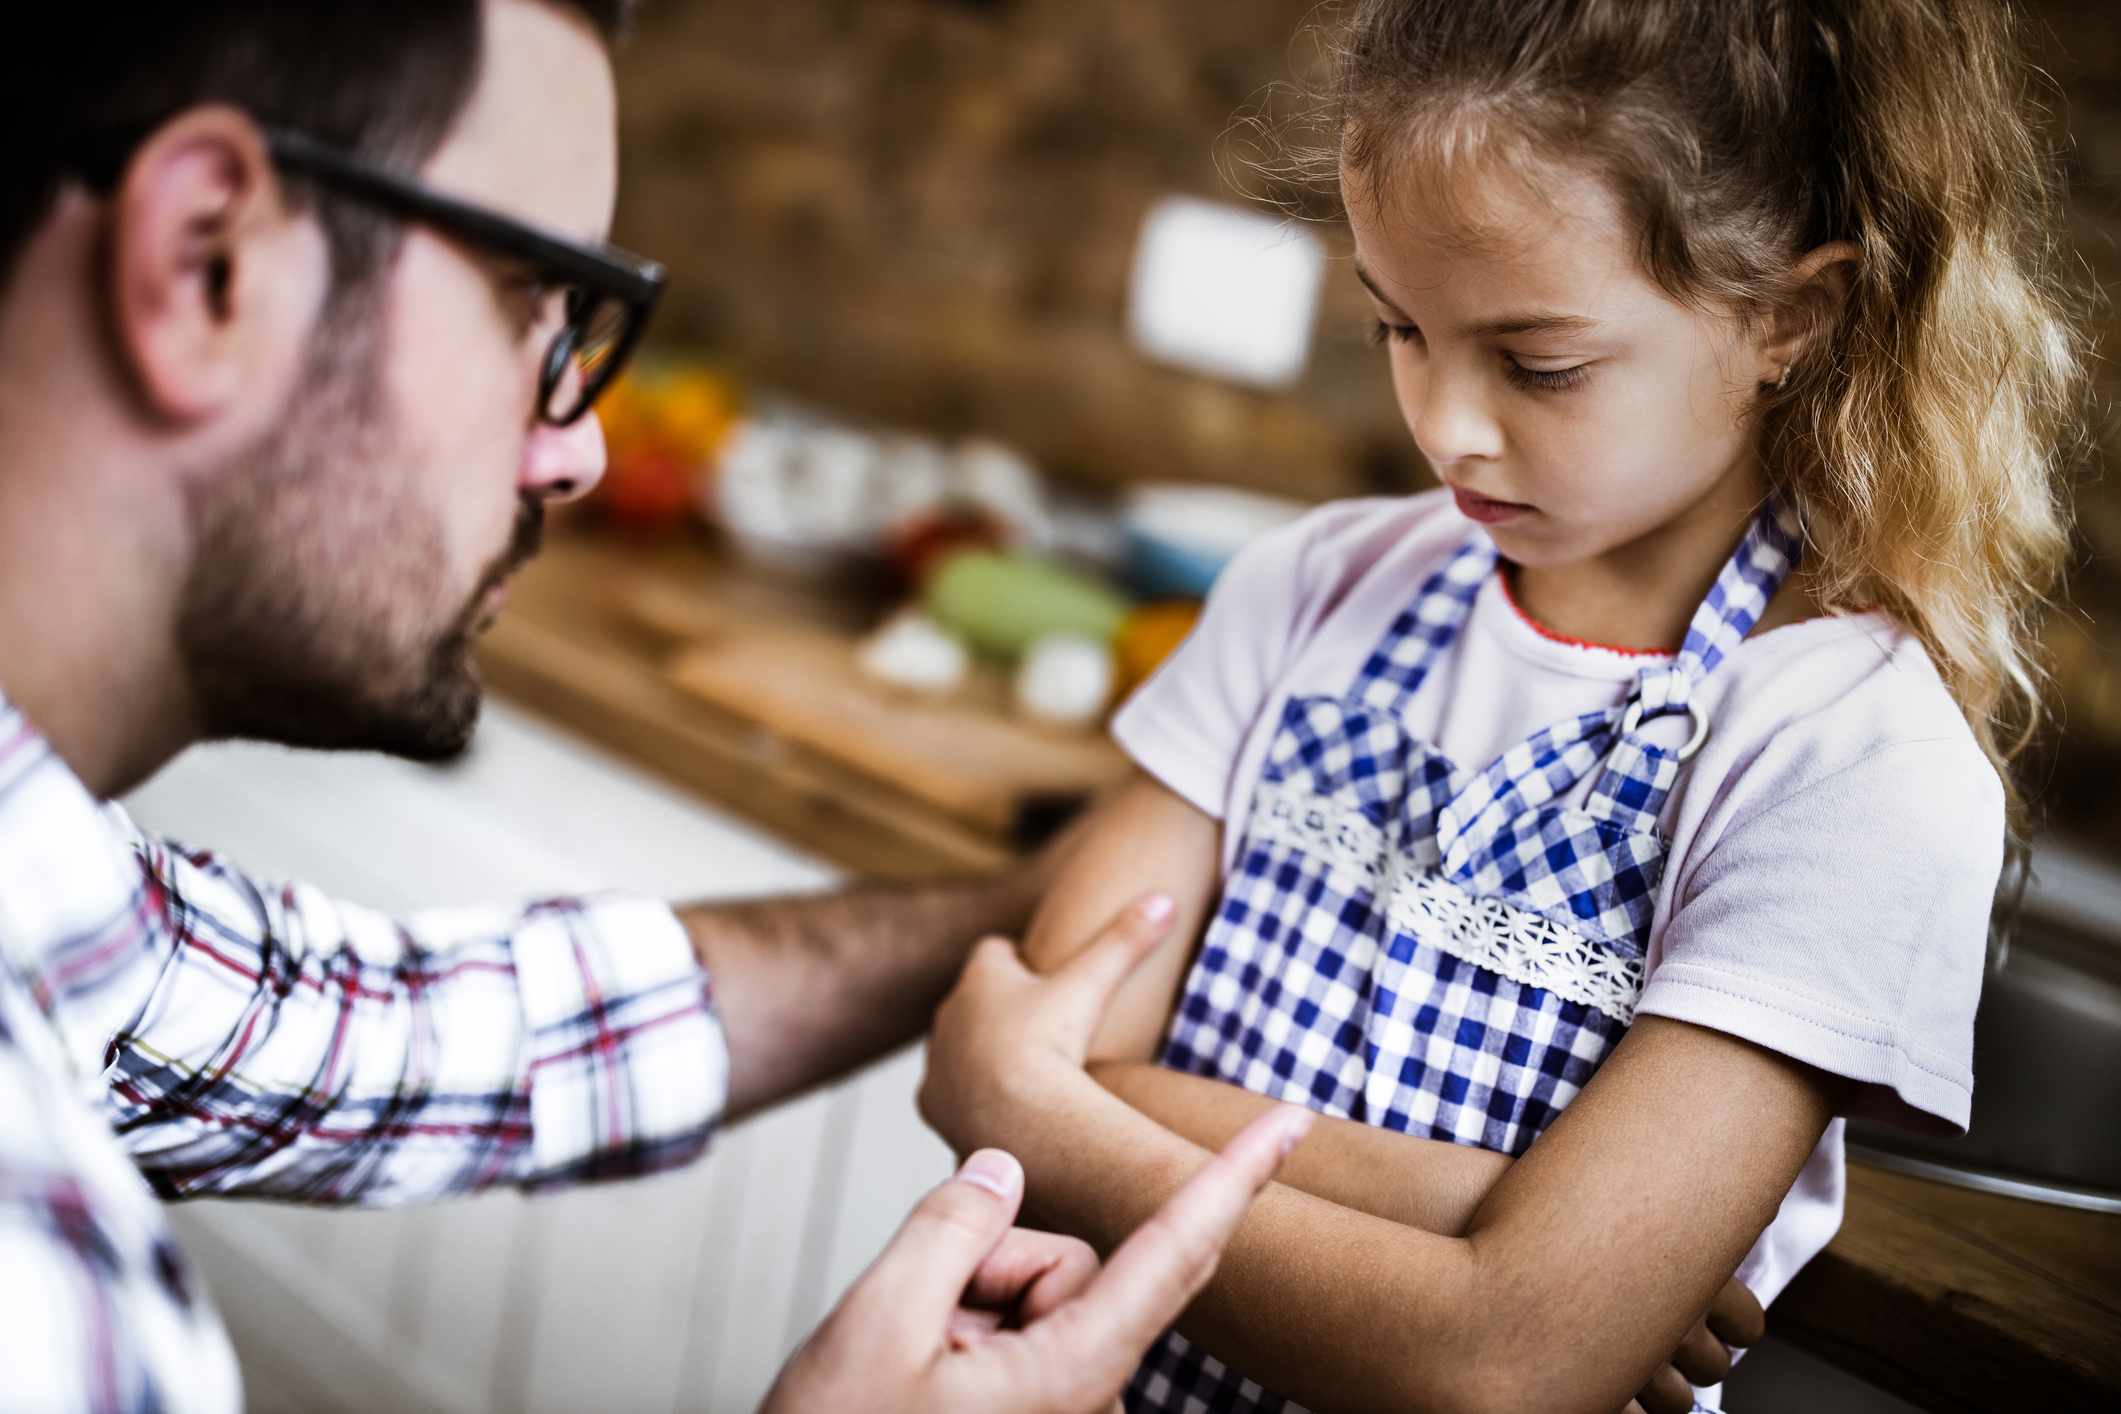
1423, 1183
811, 987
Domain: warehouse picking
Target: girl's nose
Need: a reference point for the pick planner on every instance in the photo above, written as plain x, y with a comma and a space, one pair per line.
1450, 416
561, 463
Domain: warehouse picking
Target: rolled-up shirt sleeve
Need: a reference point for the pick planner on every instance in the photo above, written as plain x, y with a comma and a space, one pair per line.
300, 1047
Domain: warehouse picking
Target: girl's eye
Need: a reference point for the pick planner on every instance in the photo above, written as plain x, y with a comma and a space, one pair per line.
1394, 333
1544, 380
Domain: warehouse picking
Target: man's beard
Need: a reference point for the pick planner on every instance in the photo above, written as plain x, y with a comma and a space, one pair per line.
307, 614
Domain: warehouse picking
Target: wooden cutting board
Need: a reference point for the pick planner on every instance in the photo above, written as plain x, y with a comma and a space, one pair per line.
964, 753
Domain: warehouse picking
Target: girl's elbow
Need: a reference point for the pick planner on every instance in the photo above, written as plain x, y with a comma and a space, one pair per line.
1482, 1381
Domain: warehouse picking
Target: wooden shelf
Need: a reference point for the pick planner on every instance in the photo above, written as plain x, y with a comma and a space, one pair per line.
568, 647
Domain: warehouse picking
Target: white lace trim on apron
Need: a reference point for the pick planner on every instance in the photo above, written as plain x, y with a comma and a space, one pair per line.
1512, 942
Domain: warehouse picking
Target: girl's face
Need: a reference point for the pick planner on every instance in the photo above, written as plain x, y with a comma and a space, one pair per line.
1571, 406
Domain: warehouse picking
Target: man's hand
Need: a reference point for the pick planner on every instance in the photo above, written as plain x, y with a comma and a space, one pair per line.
964, 1312
1704, 1357
1007, 1037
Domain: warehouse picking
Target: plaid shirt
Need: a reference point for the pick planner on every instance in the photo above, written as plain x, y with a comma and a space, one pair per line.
171, 1027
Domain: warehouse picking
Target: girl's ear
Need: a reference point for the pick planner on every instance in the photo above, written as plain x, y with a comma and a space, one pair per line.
1814, 297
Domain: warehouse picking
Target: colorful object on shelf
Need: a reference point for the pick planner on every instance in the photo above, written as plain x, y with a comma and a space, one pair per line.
662, 426
802, 493
1064, 680
913, 652
1151, 634
1179, 537
923, 541
1003, 603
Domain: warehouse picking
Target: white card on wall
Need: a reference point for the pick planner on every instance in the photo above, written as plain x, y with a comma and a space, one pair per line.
1222, 290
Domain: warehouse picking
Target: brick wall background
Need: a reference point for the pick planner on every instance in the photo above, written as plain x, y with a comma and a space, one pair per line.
924, 211
2078, 770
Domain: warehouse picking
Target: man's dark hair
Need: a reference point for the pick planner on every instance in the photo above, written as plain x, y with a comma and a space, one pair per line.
82, 82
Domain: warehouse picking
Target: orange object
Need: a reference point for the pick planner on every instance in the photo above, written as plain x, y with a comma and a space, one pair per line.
662, 425
1150, 634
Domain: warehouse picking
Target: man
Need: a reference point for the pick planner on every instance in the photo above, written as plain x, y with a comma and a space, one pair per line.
305, 309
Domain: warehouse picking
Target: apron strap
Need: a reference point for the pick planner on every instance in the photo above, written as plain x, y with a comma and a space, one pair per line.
1638, 776
1425, 628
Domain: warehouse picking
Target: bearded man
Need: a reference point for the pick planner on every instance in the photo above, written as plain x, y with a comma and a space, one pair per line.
306, 308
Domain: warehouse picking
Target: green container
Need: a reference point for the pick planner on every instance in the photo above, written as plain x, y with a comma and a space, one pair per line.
1002, 603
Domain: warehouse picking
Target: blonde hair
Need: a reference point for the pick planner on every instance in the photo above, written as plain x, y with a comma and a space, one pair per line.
1925, 429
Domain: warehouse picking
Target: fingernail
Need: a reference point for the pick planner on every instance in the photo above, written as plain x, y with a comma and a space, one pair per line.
1158, 907
995, 1170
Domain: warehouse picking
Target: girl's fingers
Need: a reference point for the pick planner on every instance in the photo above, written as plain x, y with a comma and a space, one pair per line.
1093, 976
1701, 1357
911, 1292
1666, 1393
1735, 1315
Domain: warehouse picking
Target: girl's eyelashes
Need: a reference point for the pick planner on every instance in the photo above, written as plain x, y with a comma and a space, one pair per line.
1534, 380
1544, 380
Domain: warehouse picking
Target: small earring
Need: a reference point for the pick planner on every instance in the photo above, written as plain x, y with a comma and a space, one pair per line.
1784, 380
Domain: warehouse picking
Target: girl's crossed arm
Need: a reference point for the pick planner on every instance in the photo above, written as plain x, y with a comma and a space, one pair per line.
1143, 838
1576, 1273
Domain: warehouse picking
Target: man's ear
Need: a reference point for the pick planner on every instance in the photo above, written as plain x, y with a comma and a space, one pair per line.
1803, 321
210, 275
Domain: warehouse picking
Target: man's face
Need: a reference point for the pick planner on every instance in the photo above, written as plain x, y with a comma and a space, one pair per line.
345, 564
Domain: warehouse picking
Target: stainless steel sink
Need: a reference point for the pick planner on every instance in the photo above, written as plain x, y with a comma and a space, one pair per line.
2047, 1052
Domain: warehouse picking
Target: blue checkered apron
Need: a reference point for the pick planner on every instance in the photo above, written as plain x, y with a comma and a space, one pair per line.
1440, 951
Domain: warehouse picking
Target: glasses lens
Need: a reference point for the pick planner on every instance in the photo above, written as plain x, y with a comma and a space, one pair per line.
585, 357
603, 324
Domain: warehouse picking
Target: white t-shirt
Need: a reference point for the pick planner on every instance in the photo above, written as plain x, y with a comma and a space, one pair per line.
1834, 846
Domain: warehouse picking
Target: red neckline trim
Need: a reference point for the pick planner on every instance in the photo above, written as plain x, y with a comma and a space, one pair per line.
1502, 577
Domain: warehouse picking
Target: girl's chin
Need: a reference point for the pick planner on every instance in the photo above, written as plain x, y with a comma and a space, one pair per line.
1522, 544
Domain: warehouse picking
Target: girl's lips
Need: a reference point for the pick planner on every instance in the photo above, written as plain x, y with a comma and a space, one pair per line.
1486, 509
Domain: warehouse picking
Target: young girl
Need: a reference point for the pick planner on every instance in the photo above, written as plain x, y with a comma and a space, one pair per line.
1631, 807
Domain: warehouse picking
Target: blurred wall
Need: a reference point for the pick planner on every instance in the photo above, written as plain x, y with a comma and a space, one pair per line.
925, 211
2078, 42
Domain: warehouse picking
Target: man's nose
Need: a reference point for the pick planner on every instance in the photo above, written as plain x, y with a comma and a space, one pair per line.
1453, 421
561, 463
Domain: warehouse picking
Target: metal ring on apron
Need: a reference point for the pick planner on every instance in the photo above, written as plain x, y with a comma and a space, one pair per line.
1633, 719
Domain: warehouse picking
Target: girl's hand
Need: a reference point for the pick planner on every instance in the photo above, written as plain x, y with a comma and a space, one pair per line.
964, 1313
1704, 1357
1006, 1041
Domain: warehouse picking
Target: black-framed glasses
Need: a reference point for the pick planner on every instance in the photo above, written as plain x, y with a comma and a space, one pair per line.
608, 293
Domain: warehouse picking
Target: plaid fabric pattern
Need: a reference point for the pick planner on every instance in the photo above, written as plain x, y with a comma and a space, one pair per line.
171, 1027
1438, 951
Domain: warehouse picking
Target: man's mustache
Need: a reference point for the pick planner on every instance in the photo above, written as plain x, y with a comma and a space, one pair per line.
523, 546
529, 535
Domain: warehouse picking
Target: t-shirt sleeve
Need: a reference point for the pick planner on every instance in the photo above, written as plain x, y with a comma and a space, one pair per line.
1187, 723
1845, 924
